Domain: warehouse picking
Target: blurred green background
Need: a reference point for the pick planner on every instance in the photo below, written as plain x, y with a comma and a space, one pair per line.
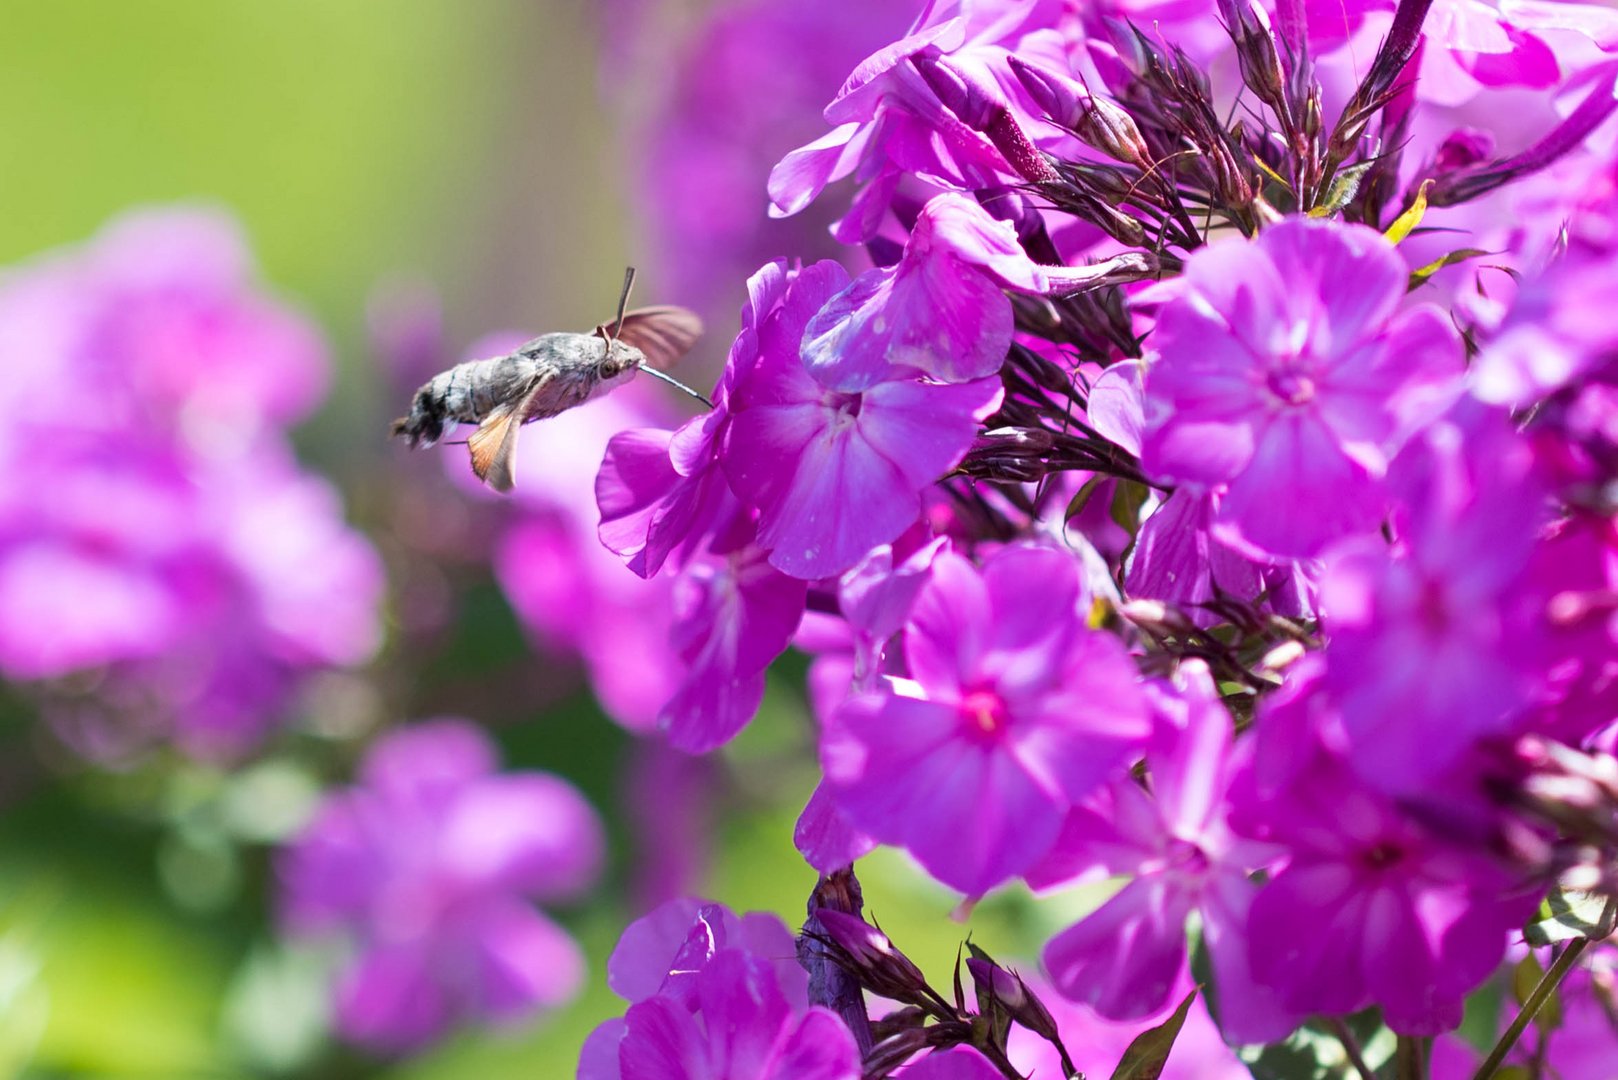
463, 144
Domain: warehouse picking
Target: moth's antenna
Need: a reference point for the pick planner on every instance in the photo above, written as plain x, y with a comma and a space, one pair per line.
676, 383
623, 301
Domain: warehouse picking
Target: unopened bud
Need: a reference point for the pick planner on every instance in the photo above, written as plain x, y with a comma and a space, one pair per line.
972, 102
1012, 994
982, 108
872, 958
1097, 121
1260, 60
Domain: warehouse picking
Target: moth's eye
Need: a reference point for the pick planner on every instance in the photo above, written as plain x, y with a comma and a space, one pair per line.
610, 367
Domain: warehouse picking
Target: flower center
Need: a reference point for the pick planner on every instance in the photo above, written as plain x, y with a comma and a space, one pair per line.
984, 714
1382, 856
1291, 382
1187, 857
847, 405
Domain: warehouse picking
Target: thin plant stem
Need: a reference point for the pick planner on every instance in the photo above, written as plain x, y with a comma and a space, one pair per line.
1542, 991
1412, 1057
1352, 1045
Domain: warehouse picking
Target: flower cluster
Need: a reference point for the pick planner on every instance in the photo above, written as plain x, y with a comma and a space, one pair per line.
1166, 506
424, 865
714, 995
167, 570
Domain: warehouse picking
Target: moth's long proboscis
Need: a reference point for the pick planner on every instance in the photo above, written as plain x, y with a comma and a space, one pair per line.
676, 383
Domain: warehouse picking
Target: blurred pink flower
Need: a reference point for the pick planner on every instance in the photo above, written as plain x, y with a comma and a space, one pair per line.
425, 865
178, 550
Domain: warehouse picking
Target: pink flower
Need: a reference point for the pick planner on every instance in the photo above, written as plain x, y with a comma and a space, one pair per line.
1125, 958
714, 997
834, 473
1368, 906
1286, 370
1016, 711
1432, 645
182, 556
425, 864
733, 618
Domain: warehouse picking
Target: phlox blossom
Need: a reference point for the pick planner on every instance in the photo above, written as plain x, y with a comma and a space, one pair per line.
714, 996
1368, 906
1125, 958
1288, 369
425, 864
834, 473
1014, 710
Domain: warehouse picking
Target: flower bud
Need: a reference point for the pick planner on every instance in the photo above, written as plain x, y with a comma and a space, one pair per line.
982, 108
1260, 60
973, 103
1097, 121
872, 958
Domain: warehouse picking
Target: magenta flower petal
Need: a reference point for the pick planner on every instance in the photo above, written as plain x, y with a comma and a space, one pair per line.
824, 836
428, 762
531, 832
940, 310
733, 620
834, 474
1286, 371
662, 1042
1123, 958
598, 1057
523, 962
819, 1049
390, 999
1328, 494
956, 1063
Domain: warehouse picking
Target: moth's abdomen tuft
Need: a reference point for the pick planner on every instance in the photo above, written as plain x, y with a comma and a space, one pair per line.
425, 424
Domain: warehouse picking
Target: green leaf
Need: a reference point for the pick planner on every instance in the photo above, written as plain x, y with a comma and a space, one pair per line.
1314, 1051
1567, 914
1149, 1052
1344, 186
1420, 275
1405, 222
1081, 498
1525, 976
1126, 505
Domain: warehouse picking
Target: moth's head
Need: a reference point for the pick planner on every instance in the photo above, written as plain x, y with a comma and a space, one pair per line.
620, 359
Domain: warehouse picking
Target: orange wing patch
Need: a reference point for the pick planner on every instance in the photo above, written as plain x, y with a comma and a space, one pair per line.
492, 446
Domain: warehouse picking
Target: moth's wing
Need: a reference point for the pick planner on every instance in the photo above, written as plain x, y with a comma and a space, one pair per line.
664, 333
493, 445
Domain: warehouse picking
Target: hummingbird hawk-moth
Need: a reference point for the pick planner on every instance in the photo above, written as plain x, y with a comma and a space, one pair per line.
546, 376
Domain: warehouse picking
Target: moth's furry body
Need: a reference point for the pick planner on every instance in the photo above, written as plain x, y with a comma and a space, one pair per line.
565, 370
546, 376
